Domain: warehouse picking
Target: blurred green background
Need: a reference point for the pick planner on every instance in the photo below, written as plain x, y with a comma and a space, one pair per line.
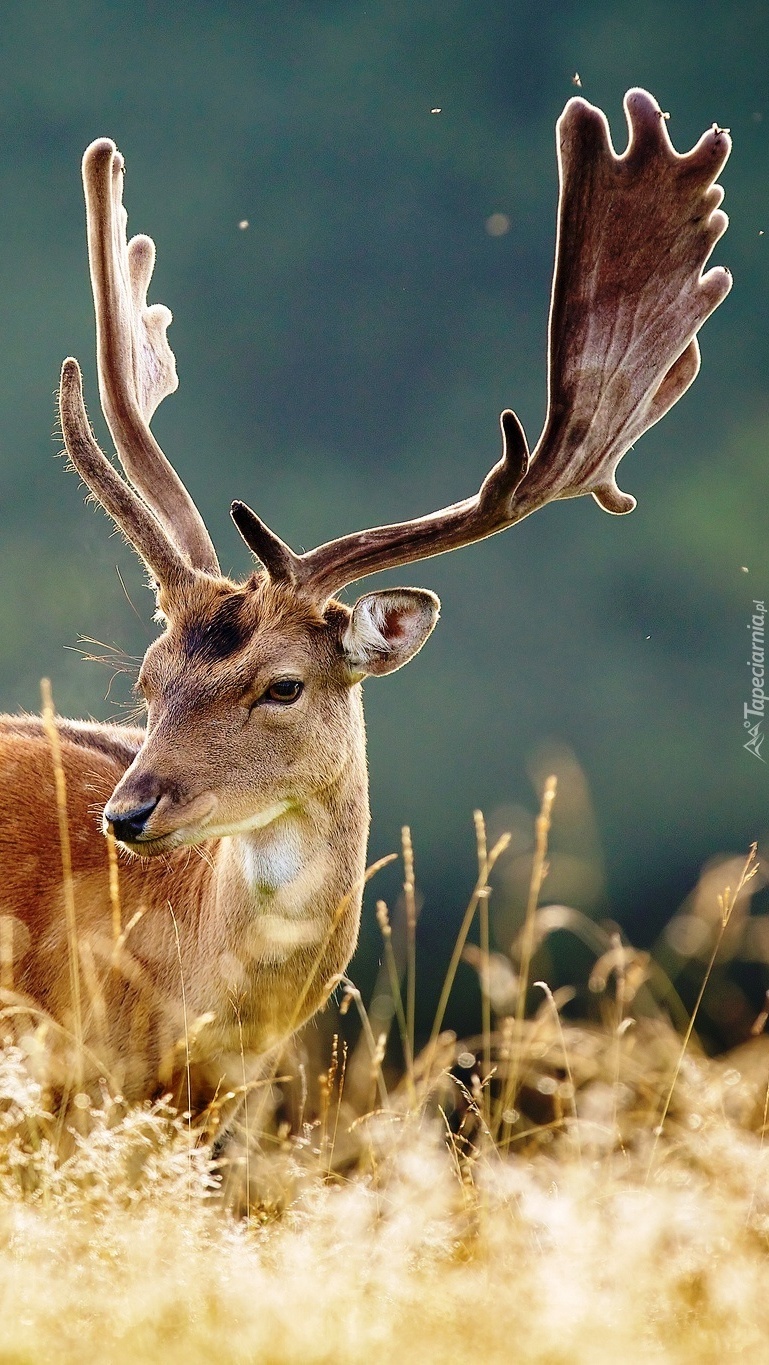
343, 361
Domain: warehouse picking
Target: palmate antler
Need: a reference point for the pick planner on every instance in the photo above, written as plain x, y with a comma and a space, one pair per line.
629, 296
634, 234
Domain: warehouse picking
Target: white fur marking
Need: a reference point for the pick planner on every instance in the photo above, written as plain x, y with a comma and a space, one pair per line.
271, 863
272, 938
250, 823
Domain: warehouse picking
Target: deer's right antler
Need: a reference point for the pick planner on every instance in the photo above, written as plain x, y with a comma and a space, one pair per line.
629, 295
135, 519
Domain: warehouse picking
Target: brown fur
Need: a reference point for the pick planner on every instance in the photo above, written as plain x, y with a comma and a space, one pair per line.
249, 991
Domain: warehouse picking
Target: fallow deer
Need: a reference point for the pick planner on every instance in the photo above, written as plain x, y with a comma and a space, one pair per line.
241, 810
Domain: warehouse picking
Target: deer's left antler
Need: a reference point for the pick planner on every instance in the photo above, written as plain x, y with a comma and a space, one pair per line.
634, 234
629, 295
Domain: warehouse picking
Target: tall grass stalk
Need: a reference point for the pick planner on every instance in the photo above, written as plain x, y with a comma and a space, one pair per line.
341, 1074
556, 1013
483, 925
330, 1081
509, 1091
383, 920
375, 1045
114, 885
410, 904
481, 892
620, 1027
726, 904
187, 1070
246, 1116
6, 952
68, 884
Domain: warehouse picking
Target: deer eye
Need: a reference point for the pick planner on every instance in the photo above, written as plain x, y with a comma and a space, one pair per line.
285, 691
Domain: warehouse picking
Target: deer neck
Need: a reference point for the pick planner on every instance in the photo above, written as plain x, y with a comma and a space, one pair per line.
274, 879
279, 886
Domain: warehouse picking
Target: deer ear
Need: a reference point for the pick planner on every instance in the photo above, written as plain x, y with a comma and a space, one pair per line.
387, 629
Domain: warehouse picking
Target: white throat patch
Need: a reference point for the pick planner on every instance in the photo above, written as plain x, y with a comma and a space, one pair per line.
273, 861
259, 820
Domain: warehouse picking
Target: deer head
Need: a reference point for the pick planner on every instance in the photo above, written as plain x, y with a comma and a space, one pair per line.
252, 690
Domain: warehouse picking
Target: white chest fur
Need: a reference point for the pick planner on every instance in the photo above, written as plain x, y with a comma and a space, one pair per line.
271, 860
283, 871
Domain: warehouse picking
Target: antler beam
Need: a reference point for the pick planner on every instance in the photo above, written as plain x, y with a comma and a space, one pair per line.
328, 568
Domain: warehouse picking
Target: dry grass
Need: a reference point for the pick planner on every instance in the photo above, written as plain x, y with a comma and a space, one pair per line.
424, 1250
551, 1191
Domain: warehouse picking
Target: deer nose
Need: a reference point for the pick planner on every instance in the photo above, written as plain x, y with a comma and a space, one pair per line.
127, 826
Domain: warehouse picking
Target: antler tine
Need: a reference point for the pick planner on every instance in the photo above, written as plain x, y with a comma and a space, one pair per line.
281, 563
629, 295
136, 365
126, 508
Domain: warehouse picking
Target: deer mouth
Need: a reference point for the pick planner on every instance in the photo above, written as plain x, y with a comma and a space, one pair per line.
150, 846
154, 828
203, 826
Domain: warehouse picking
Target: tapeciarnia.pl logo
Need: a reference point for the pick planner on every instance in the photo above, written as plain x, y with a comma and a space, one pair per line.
753, 711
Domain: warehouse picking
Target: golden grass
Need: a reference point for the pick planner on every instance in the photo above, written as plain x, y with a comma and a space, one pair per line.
420, 1252
553, 1191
